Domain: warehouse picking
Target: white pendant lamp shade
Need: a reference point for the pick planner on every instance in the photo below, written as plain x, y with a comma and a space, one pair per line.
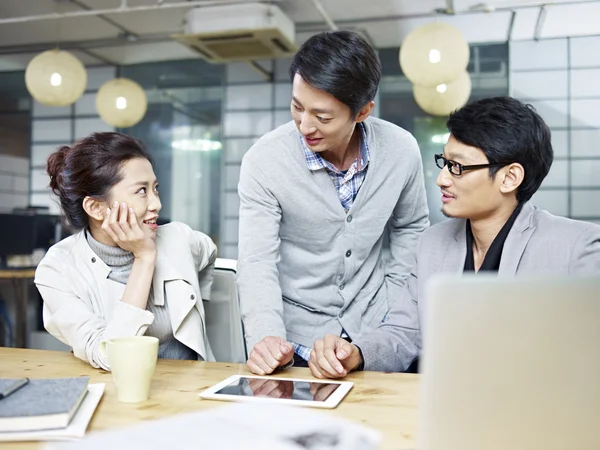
121, 102
434, 54
55, 78
443, 99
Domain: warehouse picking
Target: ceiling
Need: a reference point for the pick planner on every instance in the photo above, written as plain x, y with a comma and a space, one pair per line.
142, 36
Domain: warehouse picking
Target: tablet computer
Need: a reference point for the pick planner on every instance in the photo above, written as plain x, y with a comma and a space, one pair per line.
291, 391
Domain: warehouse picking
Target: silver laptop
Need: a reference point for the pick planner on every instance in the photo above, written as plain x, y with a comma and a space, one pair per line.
511, 364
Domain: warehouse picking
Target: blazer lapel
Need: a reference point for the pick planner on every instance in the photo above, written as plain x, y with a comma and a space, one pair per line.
517, 241
188, 327
456, 250
164, 271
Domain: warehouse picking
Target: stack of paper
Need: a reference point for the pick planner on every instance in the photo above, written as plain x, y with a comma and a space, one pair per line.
237, 426
47, 409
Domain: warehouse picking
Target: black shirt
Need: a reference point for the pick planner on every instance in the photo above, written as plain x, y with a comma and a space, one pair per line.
493, 256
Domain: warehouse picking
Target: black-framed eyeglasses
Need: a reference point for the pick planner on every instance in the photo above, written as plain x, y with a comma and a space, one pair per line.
456, 168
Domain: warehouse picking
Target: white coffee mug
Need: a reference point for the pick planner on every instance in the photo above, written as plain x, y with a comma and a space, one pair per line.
132, 362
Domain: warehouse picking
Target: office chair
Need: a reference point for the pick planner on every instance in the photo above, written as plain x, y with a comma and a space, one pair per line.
223, 319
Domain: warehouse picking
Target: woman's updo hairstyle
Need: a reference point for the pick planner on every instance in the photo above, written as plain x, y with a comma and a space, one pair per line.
90, 168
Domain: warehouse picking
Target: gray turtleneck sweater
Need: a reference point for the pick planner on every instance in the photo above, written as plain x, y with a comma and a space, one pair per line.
120, 262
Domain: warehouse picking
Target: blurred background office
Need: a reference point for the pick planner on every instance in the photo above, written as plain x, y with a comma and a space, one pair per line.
199, 92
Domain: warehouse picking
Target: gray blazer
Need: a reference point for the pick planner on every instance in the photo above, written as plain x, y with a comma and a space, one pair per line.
538, 243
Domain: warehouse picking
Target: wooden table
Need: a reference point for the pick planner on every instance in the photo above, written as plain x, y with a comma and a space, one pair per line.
384, 401
20, 279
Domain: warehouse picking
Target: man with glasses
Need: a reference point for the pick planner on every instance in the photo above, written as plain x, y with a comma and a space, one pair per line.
496, 158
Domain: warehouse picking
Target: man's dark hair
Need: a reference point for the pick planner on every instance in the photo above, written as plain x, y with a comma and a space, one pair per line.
507, 131
342, 64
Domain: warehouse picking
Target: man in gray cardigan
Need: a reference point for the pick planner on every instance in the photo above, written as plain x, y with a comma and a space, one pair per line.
317, 196
497, 156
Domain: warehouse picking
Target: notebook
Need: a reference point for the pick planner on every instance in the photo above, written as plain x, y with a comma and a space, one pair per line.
43, 404
76, 428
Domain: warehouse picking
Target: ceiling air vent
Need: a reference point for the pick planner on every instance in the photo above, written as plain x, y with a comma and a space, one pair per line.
241, 32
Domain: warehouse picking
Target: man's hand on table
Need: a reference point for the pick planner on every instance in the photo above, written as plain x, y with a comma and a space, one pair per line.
333, 357
269, 354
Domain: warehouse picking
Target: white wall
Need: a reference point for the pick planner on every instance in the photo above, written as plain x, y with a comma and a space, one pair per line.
560, 78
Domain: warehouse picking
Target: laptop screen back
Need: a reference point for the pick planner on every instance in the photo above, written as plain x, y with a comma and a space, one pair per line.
511, 364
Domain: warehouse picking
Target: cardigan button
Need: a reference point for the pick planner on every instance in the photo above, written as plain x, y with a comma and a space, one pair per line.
192, 297
349, 218
93, 260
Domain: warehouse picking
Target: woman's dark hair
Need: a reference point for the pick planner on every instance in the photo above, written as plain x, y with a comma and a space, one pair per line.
90, 167
342, 64
507, 131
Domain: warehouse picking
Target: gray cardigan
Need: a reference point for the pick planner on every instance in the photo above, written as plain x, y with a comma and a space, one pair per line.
538, 244
305, 267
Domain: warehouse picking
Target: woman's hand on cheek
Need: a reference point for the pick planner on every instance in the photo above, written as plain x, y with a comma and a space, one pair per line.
121, 224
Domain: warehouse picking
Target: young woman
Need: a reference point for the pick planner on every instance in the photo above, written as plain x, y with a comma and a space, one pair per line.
121, 274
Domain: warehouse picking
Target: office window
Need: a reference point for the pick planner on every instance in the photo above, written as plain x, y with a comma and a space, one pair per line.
15, 129
182, 130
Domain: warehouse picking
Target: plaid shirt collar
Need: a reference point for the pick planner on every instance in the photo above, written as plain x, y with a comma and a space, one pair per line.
315, 161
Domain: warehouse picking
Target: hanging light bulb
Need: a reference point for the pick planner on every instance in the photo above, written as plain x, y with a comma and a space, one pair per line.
444, 98
434, 54
55, 78
121, 102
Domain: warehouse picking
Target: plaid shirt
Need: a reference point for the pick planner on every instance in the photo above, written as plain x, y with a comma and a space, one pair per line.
346, 183
302, 351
